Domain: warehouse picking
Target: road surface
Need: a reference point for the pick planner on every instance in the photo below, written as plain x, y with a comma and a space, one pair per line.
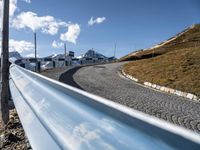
105, 81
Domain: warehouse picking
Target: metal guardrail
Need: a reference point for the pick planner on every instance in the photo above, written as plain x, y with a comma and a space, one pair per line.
57, 116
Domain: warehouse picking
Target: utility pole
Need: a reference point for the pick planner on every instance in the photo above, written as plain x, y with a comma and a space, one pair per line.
35, 41
65, 48
5, 64
115, 49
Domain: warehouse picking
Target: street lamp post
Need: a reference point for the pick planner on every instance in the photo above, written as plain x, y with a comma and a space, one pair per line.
35, 42
65, 48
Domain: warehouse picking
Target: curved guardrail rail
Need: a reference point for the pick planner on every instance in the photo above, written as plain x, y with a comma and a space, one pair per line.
57, 116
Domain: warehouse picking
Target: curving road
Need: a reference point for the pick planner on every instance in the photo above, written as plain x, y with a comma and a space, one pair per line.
105, 81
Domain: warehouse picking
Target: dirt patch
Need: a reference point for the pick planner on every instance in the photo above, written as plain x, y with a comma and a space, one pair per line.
13, 136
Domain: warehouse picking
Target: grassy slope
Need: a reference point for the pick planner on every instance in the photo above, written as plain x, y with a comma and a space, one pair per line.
187, 39
178, 68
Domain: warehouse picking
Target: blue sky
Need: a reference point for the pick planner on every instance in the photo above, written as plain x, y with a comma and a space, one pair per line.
131, 24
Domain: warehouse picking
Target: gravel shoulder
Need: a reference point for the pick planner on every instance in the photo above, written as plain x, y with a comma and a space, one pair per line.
104, 80
54, 73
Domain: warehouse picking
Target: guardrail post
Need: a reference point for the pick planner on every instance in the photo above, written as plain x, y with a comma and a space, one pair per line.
65, 47
54, 64
39, 66
66, 63
5, 64
35, 43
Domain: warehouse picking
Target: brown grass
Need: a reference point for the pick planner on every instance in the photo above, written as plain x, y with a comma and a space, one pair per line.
178, 69
176, 65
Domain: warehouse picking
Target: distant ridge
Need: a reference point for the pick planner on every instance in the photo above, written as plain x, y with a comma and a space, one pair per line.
188, 38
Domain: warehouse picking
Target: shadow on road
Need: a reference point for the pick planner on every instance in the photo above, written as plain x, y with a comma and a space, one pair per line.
67, 77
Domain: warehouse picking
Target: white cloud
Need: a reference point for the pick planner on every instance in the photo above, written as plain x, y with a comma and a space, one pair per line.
47, 24
98, 20
1, 11
44, 24
72, 34
13, 7
89, 137
19, 46
57, 44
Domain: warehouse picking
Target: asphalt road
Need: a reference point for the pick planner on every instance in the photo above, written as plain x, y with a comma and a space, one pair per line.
105, 81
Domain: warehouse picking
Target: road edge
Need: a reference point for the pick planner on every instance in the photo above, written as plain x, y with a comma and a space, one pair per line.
162, 88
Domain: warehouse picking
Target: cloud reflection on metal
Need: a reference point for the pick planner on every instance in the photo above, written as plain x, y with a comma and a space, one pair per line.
57, 116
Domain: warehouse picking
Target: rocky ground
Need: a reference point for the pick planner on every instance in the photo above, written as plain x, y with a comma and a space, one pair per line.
13, 136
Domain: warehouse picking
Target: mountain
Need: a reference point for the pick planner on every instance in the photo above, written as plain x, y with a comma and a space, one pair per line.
56, 56
13, 56
92, 54
46, 65
188, 38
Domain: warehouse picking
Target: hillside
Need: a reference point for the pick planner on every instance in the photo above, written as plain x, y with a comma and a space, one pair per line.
177, 64
188, 38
